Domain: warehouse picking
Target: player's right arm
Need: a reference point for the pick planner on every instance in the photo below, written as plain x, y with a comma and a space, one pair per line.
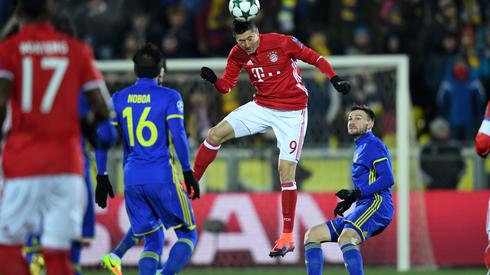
229, 79
482, 139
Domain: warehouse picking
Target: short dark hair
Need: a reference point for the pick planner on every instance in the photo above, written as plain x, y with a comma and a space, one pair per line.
148, 61
365, 109
32, 9
241, 27
148, 55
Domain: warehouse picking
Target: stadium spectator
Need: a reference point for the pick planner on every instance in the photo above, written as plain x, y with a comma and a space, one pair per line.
279, 103
153, 195
441, 159
179, 38
361, 42
46, 193
372, 175
461, 100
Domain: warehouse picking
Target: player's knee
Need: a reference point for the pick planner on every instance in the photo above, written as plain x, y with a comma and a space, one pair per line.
315, 235
190, 235
215, 136
348, 237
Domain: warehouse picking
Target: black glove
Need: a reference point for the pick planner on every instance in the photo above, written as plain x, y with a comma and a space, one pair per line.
341, 207
103, 188
208, 74
342, 86
349, 194
191, 185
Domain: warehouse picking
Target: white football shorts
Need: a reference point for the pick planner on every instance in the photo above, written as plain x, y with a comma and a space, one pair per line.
288, 126
53, 205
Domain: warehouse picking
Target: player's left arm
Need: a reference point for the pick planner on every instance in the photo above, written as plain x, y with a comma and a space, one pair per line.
295, 48
383, 171
175, 121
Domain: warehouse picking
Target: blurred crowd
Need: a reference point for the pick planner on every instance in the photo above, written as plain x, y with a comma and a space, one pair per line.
448, 42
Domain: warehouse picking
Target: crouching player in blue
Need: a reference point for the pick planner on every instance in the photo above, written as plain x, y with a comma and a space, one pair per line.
145, 112
372, 176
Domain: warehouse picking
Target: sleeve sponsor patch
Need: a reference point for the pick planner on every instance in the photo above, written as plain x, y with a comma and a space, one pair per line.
180, 106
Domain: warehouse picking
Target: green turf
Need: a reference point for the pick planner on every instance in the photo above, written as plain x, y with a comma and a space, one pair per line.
297, 271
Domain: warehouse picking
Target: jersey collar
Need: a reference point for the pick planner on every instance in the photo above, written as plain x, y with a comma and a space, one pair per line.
364, 138
38, 26
144, 80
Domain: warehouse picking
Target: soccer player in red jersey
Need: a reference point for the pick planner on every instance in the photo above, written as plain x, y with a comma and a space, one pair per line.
42, 72
280, 103
482, 147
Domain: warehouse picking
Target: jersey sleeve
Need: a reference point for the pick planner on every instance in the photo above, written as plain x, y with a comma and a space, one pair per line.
482, 139
298, 50
229, 79
6, 64
381, 171
175, 121
91, 78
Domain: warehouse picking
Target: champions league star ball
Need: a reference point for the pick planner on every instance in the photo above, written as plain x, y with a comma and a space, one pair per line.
244, 10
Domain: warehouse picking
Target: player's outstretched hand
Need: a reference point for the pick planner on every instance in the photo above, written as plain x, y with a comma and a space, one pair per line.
349, 194
341, 207
103, 189
342, 86
191, 185
208, 74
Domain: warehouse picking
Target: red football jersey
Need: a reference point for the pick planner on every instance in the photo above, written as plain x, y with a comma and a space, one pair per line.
274, 71
48, 71
482, 139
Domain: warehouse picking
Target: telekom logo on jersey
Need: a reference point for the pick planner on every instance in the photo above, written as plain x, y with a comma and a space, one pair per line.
260, 74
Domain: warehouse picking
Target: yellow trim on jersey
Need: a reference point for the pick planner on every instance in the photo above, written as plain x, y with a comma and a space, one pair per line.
185, 207
114, 123
175, 116
379, 160
149, 232
334, 230
370, 211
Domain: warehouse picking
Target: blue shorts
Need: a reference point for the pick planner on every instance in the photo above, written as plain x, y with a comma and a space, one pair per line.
151, 205
369, 218
88, 225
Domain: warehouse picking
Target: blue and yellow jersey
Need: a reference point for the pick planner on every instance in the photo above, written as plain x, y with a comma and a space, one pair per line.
146, 113
372, 171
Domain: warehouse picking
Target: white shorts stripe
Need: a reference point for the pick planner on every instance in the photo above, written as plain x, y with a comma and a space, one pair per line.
485, 127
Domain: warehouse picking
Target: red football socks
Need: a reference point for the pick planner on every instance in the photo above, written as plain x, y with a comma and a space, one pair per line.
58, 261
206, 153
12, 262
288, 200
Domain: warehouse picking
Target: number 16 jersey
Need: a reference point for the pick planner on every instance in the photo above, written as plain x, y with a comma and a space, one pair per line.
142, 112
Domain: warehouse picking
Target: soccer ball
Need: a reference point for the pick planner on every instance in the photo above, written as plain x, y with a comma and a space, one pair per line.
244, 10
